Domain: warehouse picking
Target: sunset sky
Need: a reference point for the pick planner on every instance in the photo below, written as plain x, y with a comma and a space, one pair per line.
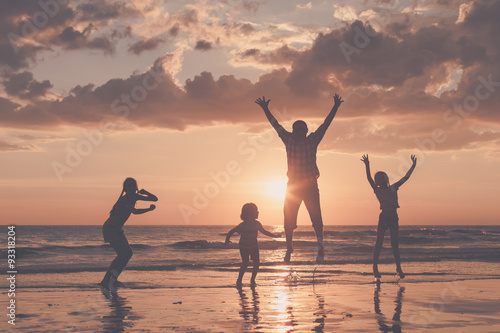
92, 92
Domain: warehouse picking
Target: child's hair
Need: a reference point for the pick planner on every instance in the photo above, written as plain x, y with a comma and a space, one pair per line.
247, 210
127, 183
381, 179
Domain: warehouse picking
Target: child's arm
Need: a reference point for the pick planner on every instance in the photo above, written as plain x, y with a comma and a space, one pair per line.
137, 211
365, 160
146, 196
408, 174
229, 234
267, 233
130, 206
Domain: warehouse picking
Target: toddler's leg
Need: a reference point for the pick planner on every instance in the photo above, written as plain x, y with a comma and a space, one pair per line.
256, 264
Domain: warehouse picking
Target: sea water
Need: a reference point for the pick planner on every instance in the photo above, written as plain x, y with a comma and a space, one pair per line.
195, 256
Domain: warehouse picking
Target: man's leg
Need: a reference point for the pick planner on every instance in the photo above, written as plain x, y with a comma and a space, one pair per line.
290, 210
312, 202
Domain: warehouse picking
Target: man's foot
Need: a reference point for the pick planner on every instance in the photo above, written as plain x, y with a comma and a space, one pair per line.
103, 285
119, 284
401, 274
376, 274
239, 284
288, 254
252, 283
321, 254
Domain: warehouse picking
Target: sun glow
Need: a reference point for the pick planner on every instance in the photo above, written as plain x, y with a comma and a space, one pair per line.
276, 189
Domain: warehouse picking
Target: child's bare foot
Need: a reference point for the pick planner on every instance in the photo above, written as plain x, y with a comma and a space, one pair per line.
288, 254
401, 274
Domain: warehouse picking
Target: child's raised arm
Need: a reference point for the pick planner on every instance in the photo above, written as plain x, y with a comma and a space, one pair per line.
408, 174
146, 196
365, 160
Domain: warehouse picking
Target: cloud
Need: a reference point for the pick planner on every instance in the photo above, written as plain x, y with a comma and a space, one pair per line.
72, 39
102, 10
11, 147
282, 56
203, 45
390, 76
145, 45
23, 85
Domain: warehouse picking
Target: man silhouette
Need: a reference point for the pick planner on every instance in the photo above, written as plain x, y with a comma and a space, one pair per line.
302, 173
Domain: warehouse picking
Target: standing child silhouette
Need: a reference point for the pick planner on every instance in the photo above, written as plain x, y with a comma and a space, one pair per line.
113, 232
387, 195
249, 230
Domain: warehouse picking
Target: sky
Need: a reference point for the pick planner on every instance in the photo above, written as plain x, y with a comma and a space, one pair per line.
92, 92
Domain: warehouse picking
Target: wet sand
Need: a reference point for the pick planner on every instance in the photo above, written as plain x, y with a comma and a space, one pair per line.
458, 306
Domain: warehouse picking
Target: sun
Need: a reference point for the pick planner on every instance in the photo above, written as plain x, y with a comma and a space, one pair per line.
276, 189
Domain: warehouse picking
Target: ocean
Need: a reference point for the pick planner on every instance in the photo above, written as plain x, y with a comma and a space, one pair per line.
195, 256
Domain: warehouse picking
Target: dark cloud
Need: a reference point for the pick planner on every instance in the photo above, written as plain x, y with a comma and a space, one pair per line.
281, 56
28, 27
73, 39
99, 10
251, 6
247, 29
187, 17
203, 45
23, 85
174, 31
145, 45
18, 47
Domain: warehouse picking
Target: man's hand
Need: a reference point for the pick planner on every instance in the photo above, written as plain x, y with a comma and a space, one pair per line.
338, 100
262, 102
365, 160
414, 159
143, 191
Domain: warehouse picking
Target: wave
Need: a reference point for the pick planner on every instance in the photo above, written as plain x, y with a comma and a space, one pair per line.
22, 252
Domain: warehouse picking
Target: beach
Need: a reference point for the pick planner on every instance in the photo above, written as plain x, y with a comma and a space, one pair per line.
182, 279
454, 306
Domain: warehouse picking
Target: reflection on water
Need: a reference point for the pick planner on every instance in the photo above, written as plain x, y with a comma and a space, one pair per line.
320, 314
383, 322
249, 309
119, 318
283, 307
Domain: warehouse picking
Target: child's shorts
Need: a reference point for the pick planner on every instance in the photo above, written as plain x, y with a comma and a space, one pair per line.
388, 221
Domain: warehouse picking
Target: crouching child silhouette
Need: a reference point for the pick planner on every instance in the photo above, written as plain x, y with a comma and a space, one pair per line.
113, 232
387, 195
249, 247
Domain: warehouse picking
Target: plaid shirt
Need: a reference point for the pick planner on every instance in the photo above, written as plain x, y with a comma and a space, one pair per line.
301, 154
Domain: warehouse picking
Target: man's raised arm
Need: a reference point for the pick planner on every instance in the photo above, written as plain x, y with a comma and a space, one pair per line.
337, 101
265, 106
